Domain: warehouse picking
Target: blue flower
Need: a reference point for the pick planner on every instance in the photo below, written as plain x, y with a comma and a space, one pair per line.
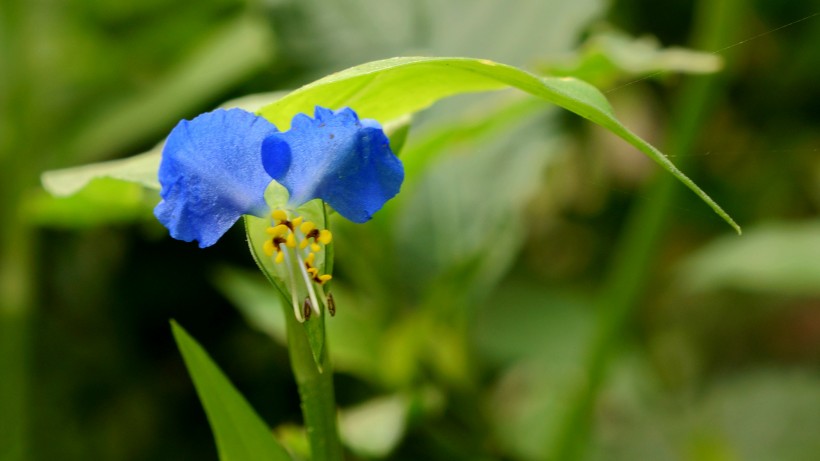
216, 167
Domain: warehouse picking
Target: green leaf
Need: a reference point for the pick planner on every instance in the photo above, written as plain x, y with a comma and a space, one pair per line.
240, 433
255, 299
353, 31
373, 429
774, 258
392, 88
140, 169
103, 201
610, 54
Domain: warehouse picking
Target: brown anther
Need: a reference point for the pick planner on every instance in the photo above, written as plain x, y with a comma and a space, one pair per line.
307, 308
331, 305
314, 234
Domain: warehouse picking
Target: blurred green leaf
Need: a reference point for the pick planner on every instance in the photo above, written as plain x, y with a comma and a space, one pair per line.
751, 416
485, 122
239, 432
294, 437
539, 338
764, 415
610, 54
363, 30
469, 205
103, 201
256, 300
374, 428
522, 320
140, 169
391, 88
398, 130
238, 48
357, 335
776, 258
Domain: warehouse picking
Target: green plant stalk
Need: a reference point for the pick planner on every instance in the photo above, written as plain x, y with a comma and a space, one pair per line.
630, 271
315, 392
17, 151
15, 345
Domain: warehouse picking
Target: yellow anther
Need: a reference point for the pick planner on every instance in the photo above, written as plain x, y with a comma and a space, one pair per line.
312, 271
314, 247
324, 278
297, 220
268, 247
280, 257
279, 229
291, 241
325, 237
310, 258
304, 244
307, 226
279, 215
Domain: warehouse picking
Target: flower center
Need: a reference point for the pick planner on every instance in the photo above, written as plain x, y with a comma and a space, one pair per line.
295, 243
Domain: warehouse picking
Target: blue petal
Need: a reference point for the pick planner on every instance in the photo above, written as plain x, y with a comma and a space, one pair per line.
338, 158
211, 174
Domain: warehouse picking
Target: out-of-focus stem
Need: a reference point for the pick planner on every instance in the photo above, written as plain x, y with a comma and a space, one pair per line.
16, 256
630, 270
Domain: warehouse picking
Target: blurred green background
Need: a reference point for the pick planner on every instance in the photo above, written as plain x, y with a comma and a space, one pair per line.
538, 290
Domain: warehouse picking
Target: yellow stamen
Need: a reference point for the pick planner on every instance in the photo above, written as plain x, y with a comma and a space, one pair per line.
278, 230
289, 233
307, 226
325, 237
268, 248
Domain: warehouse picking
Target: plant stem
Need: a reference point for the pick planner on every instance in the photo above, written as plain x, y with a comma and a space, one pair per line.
15, 340
19, 151
315, 392
630, 271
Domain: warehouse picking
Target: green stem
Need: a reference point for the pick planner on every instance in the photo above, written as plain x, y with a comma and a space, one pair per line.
630, 271
18, 152
15, 341
315, 392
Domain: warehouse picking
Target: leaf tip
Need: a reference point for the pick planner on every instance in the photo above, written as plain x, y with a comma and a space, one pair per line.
732, 223
177, 330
